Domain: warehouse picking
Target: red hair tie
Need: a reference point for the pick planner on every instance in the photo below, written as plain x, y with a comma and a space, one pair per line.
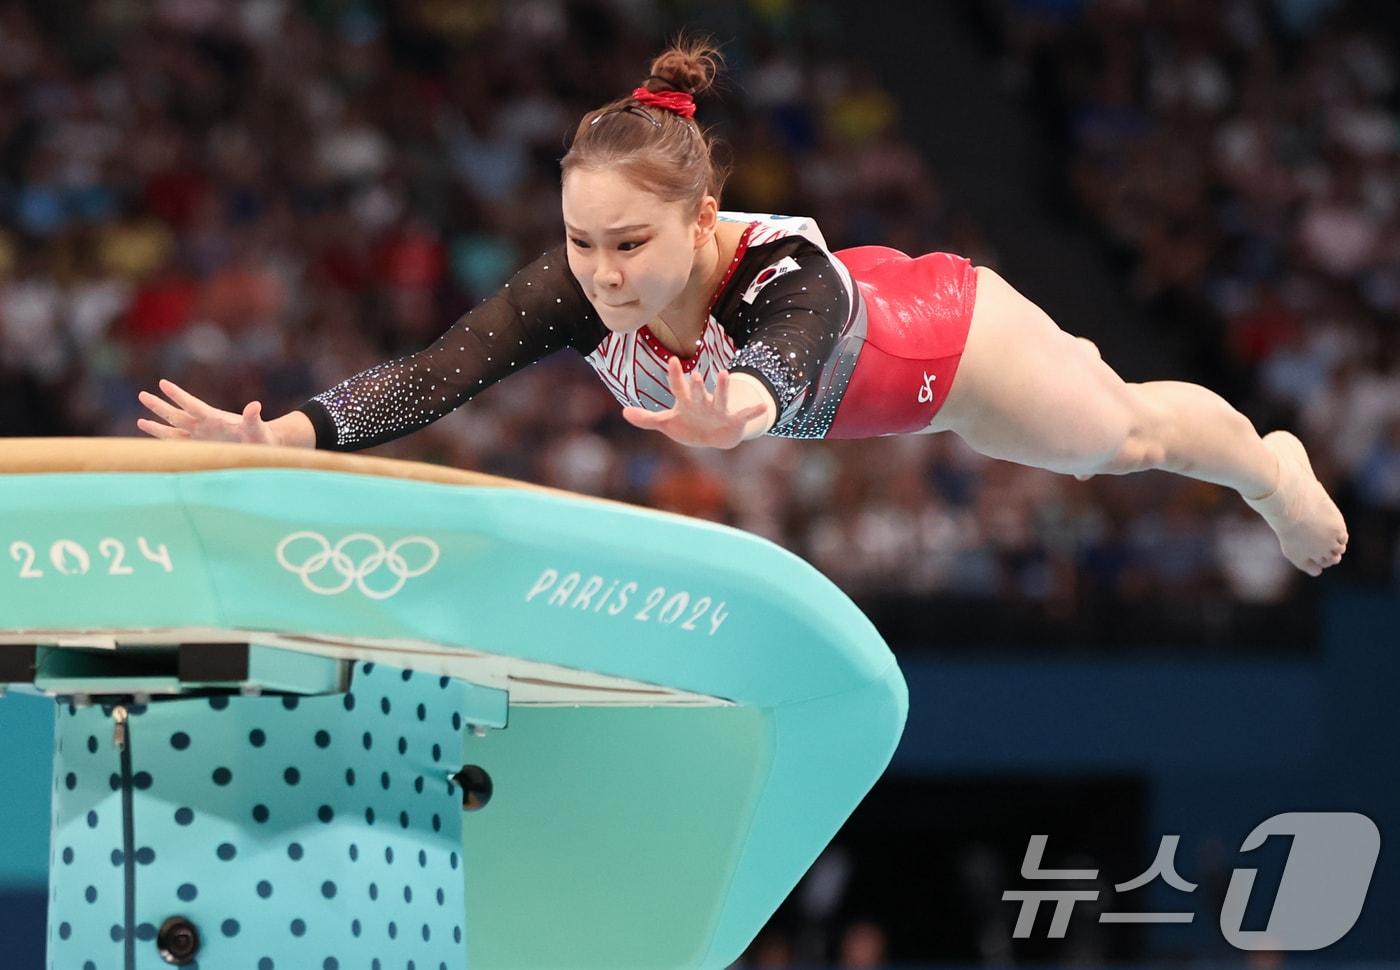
678, 102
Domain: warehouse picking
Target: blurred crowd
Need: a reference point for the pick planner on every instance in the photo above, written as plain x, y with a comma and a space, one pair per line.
259, 199
1241, 159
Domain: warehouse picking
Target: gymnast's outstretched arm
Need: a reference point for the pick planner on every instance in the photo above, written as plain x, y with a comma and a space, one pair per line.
539, 311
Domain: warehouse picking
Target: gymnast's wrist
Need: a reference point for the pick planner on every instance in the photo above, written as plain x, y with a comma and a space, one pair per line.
293, 430
746, 390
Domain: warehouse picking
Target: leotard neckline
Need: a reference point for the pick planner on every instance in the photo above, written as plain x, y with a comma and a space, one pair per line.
688, 363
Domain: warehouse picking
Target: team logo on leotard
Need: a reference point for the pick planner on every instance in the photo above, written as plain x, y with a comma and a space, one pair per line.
328, 570
926, 392
767, 275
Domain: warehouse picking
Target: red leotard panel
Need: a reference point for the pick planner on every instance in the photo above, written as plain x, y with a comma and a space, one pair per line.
918, 313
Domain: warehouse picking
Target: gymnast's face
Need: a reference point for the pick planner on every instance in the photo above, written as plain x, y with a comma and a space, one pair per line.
632, 252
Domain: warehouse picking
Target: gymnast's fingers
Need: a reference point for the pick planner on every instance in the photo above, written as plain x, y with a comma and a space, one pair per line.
185, 399
165, 411
157, 430
642, 418
675, 375
722, 391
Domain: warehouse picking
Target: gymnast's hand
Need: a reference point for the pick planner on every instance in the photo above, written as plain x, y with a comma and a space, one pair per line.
699, 418
190, 418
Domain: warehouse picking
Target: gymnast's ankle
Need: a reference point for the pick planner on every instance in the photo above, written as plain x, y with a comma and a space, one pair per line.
1278, 480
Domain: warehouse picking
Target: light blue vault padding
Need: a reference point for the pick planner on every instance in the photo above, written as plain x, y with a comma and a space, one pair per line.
292, 832
675, 716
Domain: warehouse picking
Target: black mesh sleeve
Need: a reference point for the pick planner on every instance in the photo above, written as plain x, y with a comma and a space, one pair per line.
538, 312
788, 323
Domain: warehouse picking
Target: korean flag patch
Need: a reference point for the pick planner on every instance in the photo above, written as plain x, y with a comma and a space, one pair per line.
767, 275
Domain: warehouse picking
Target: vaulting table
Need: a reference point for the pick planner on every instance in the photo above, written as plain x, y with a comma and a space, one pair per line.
330, 711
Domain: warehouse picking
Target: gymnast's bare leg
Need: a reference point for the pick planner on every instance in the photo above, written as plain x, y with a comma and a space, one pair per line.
1028, 392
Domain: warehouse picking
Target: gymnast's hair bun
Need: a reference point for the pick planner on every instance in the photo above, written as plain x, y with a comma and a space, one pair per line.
690, 64
657, 143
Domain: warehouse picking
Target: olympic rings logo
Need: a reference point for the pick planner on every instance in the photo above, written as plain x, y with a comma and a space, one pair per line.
315, 556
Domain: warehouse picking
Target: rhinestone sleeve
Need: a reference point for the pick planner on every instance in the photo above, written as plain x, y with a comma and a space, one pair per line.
788, 328
539, 311
767, 364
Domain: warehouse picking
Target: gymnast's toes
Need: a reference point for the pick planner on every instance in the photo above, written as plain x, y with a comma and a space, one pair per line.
1310, 528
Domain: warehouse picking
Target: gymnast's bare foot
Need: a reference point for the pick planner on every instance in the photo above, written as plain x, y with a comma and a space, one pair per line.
1310, 527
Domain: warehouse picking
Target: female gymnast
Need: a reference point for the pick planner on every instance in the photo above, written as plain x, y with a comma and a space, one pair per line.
714, 327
